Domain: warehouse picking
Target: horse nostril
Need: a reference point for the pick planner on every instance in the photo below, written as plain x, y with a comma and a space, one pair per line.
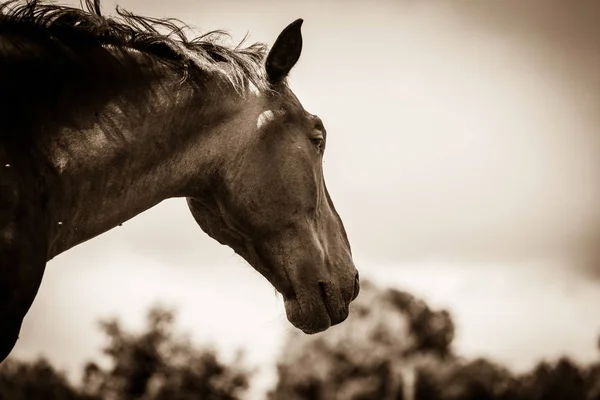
356, 286
323, 291
336, 306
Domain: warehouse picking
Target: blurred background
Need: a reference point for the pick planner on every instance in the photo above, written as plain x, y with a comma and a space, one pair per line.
464, 158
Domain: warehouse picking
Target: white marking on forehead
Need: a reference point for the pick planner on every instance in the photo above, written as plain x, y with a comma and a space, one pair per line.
264, 117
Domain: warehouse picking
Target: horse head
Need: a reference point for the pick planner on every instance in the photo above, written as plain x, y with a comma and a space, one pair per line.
268, 200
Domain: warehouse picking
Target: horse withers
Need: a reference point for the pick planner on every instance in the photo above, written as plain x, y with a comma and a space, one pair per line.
103, 118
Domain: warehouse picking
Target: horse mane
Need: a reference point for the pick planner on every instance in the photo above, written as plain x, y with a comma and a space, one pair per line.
127, 30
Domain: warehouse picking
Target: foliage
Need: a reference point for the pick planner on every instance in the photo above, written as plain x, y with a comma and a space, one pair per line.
35, 380
393, 346
152, 365
157, 365
555, 381
367, 356
455, 379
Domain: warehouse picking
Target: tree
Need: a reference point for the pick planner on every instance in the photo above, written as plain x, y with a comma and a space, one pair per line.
456, 379
157, 365
371, 355
553, 381
393, 346
36, 380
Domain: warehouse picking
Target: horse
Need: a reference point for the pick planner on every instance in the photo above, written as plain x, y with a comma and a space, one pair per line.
102, 118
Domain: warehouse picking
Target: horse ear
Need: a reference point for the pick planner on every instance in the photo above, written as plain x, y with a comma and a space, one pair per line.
285, 52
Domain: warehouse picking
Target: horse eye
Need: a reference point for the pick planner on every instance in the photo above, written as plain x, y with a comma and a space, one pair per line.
318, 141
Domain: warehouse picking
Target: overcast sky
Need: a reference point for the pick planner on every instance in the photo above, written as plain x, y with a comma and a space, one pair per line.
463, 156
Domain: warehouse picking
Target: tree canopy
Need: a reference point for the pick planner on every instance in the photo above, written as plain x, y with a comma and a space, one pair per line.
155, 364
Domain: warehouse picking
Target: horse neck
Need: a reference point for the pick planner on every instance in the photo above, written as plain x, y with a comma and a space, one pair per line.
126, 157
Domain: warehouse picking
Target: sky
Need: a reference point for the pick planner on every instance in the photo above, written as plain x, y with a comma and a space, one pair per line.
463, 156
